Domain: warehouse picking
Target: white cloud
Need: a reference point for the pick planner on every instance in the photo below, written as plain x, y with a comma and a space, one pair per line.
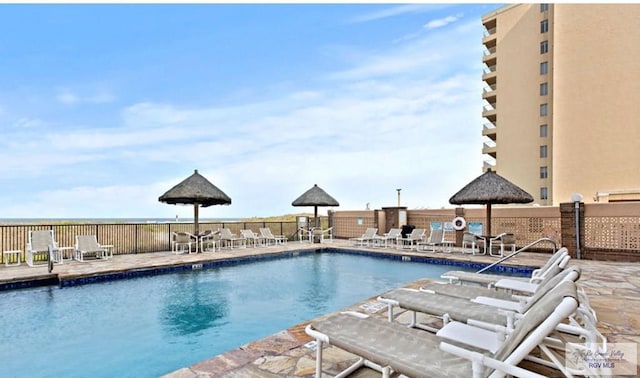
442, 21
27, 123
69, 97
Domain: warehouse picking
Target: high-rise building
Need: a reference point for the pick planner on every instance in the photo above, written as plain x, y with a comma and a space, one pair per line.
562, 99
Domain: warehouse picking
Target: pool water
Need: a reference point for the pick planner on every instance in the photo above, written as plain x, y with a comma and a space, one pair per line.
150, 326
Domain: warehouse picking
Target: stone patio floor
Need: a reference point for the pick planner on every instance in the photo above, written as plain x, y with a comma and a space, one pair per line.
613, 289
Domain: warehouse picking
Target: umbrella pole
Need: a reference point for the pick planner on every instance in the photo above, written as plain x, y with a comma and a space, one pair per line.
195, 219
489, 219
315, 215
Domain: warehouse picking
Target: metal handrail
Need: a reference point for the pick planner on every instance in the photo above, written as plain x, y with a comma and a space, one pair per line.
555, 248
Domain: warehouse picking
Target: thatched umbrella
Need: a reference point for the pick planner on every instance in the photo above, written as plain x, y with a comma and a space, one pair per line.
487, 189
315, 197
197, 191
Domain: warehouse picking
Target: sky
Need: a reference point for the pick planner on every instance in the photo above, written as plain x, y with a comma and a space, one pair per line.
104, 107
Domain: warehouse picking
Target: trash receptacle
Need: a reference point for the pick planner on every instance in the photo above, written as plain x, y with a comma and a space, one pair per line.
407, 229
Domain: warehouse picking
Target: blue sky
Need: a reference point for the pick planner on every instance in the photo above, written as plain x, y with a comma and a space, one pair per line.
103, 108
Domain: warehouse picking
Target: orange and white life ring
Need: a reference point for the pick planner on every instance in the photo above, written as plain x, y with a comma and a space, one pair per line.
459, 223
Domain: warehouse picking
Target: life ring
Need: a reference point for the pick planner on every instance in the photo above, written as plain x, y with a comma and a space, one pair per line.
459, 223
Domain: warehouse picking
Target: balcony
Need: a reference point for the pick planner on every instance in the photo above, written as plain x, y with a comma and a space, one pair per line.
490, 94
486, 165
489, 111
490, 24
490, 115
489, 74
490, 131
490, 78
490, 29
490, 60
489, 149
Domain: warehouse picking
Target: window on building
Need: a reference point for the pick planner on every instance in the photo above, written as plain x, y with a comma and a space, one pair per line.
544, 193
543, 131
544, 89
543, 151
544, 26
543, 110
544, 173
544, 47
544, 7
544, 68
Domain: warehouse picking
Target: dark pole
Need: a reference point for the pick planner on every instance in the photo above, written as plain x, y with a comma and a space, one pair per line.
488, 219
195, 218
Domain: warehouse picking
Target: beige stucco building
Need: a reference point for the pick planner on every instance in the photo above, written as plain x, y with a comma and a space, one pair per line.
562, 99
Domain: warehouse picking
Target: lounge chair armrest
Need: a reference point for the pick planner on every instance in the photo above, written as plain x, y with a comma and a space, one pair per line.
488, 326
522, 299
479, 361
472, 336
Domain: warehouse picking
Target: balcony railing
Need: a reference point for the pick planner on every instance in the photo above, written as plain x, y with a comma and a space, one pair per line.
490, 51
489, 69
488, 32
490, 88
491, 106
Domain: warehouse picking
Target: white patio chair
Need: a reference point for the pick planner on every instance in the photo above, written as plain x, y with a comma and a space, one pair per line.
182, 241
502, 241
88, 245
38, 246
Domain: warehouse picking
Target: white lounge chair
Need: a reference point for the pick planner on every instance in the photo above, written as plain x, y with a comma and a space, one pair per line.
253, 239
366, 238
88, 245
412, 240
230, 240
456, 276
473, 291
182, 242
38, 246
392, 347
488, 309
392, 236
436, 238
270, 238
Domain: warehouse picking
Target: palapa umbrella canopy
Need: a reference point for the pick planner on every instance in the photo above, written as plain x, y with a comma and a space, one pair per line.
198, 191
487, 189
315, 197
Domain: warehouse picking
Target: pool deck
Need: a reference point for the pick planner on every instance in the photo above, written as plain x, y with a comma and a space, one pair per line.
613, 289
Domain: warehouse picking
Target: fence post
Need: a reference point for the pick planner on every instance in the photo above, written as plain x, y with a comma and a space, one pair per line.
569, 237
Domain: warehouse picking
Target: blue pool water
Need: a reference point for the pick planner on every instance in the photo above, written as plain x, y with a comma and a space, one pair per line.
150, 326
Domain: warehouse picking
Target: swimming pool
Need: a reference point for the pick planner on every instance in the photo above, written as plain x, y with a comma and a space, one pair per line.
146, 327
